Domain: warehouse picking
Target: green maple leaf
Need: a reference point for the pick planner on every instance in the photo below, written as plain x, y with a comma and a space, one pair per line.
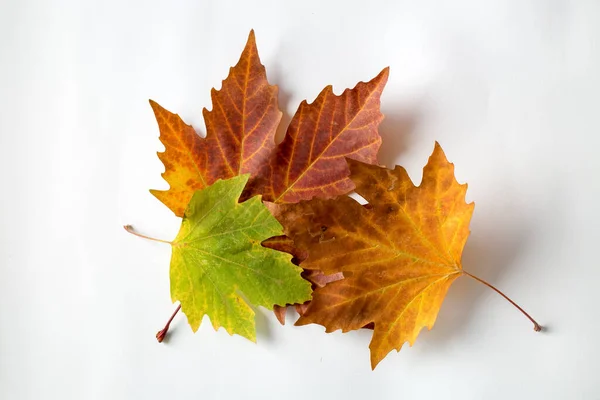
219, 267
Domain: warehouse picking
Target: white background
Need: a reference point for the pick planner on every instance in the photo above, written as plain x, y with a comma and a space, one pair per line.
509, 88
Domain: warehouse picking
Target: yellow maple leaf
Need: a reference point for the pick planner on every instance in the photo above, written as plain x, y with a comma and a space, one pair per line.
399, 254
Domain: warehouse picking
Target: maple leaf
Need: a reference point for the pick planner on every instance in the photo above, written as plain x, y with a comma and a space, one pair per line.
310, 162
218, 266
399, 254
240, 133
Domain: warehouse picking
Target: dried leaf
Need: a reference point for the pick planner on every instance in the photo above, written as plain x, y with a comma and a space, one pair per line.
239, 138
310, 162
398, 256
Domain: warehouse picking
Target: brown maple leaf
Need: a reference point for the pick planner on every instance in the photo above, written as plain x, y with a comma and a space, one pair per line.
398, 256
310, 162
239, 133
240, 139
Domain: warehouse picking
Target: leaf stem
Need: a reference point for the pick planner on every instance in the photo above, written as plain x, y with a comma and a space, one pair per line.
130, 229
536, 326
160, 335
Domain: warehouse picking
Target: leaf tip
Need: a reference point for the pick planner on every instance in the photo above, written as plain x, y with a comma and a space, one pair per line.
301, 321
384, 74
279, 312
250, 45
327, 90
155, 106
439, 154
159, 111
380, 80
374, 362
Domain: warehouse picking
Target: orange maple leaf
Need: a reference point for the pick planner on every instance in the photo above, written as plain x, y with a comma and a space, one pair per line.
398, 255
240, 139
239, 133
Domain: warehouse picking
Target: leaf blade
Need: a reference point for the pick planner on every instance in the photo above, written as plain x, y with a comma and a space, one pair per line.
245, 115
405, 250
240, 132
218, 266
336, 127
